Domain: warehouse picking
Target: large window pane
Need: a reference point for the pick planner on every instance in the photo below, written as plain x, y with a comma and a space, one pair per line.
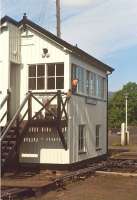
40, 70
60, 69
51, 69
74, 67
40, 83
97, 135
36, 77
94, 84
82, 139
59, 82
87, 82
51, 83
32, 71
80, 80
32, 83
103, 88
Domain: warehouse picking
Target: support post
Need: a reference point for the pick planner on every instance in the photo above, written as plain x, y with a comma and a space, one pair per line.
59, 106
126, 111
29, 107
58, 18
123, 134
126, 120
17, 139
59, 113
8, 104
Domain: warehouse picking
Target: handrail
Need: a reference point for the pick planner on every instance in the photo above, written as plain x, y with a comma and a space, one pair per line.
4, 101
48, 93
16, 120
3, 116
15, 116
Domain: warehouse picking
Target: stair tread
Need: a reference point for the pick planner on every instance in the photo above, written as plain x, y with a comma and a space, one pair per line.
3, 160
10, 138
3, 155
4, 142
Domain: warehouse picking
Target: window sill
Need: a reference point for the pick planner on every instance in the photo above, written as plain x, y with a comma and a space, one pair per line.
82, 152
90, 97
98, 149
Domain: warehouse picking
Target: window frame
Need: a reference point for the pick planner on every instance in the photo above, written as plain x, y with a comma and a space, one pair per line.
82, 148
97, 136
45, 76
55, 76
36, 77
90, 83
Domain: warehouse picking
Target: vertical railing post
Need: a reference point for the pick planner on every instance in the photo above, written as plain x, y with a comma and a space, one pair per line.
8, 104
17, 139
29, 106
59, 105
59, 116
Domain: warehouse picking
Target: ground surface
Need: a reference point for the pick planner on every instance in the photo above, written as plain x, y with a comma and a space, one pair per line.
100, 187
97, 187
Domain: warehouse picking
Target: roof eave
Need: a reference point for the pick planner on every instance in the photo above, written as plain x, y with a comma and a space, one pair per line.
8, 19
74, 50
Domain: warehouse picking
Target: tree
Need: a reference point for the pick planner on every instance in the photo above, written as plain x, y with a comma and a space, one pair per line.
116, 106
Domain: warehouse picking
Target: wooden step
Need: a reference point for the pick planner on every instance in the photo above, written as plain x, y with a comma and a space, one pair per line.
10, 137
4, 142
12, 142
6, 149
9, 148
4, 154
3, 148
3, 160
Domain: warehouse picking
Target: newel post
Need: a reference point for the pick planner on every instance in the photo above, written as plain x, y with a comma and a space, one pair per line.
59, 105
8, 104
29, 106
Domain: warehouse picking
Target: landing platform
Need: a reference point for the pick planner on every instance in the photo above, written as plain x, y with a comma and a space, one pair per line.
47, 123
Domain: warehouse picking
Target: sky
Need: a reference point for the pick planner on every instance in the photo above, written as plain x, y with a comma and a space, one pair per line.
106, 29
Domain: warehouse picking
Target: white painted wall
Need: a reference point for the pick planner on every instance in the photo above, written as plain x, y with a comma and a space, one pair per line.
43, 147
4, 67
32, 44
9, 57
4, 60
90, 116
43, 151
14, 44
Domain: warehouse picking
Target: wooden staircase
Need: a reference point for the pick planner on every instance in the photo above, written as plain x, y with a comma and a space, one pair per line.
8, 145
16, 128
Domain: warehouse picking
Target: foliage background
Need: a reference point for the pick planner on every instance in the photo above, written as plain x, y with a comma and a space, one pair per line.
116, 106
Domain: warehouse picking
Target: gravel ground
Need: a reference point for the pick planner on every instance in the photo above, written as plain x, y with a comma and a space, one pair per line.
99, 187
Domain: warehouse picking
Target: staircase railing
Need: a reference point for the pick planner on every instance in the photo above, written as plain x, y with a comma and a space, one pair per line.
18, 117
5, 102
15, 120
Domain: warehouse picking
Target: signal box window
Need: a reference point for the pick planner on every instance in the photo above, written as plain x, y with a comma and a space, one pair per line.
82, 139
55, 76
36, 77
97, 136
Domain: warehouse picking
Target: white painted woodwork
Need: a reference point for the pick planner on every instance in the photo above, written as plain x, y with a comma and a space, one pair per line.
19, 50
